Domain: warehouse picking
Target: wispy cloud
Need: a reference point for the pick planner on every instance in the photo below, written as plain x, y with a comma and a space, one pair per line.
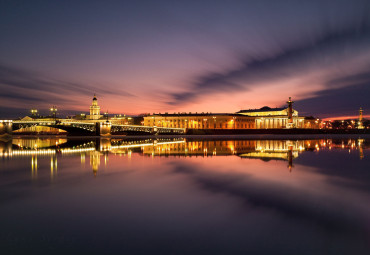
325, 53
20, 88
344, 95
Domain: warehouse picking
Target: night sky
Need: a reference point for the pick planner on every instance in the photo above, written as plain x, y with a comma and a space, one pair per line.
177, 56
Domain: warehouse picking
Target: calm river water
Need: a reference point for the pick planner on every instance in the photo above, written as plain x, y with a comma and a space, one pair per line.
184, 196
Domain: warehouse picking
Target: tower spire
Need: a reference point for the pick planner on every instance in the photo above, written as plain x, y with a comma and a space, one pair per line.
290, 111
360, 119
95, 109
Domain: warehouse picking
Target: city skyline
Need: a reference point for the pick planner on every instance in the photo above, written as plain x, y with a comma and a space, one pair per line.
185, 57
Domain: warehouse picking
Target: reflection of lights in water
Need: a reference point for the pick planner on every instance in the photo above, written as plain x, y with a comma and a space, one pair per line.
242, 148
83, 158
95, 161
53, 167
38, 143
34, 167
69, 150
360, 148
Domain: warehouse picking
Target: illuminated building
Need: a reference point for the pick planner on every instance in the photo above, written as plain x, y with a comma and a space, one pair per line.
94, 110
95, 116
200, 121
263, 118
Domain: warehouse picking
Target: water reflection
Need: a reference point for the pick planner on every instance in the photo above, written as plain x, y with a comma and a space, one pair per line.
286, 150
226, 196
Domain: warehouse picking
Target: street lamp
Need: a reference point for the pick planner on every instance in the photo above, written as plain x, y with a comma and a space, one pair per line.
106, 114
54, 110
33, 113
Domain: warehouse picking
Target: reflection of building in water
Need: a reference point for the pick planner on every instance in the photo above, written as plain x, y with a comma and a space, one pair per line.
203, 148
261, 149
243, 148
95, 161
276, 149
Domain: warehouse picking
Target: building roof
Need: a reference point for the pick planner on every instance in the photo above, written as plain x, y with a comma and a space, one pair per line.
263, 109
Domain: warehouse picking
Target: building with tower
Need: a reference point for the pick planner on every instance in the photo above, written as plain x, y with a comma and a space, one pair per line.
262, 118
94, 110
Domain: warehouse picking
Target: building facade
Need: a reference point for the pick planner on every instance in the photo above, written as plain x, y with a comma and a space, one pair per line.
94, 110
263, 118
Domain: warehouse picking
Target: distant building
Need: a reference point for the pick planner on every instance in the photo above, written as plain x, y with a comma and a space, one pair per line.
263, 118
94, 110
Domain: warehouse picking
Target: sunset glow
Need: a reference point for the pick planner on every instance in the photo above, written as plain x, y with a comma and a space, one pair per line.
181, 57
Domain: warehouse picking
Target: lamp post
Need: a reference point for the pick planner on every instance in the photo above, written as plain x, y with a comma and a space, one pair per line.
106, 114
33, 113
54, 110
214, 122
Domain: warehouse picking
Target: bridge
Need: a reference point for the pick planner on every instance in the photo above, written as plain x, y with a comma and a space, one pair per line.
100, 128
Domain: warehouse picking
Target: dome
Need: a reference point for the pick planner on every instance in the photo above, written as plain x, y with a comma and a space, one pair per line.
94, 99
265, 108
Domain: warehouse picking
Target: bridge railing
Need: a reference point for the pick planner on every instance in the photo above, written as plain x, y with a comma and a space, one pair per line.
89, 125
32, 121
155, 129
77, 123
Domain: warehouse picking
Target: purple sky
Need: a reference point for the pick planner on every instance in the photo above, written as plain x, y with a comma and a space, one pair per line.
171, 56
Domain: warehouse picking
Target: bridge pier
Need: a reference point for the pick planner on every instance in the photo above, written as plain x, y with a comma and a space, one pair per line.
103, 144
6, 127
103, 128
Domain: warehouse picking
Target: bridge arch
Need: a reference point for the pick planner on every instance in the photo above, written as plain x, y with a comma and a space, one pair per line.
38, 129
70, 129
